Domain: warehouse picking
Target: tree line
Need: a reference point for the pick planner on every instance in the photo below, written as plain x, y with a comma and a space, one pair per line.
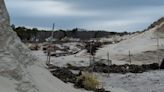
29, 34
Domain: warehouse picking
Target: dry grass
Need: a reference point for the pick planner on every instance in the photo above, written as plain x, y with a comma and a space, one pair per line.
90, 82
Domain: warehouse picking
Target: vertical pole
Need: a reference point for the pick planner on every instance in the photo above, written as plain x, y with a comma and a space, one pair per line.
158, 59
47, 56
50, 44
90, 47
52, 34
130, 61
93, 58
93, 62
108, 62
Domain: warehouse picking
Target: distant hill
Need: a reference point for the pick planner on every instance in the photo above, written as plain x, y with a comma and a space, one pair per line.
145, 47
158, 22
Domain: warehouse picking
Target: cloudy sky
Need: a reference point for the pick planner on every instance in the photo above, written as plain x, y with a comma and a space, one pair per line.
110, 15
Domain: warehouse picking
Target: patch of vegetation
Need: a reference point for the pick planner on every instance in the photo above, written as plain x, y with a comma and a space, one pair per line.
31, 34
87, 81
92, 47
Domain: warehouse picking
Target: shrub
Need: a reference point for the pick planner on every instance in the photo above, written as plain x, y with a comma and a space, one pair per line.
88, 81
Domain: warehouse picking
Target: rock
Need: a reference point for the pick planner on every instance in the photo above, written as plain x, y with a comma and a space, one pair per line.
14, 55
4, 16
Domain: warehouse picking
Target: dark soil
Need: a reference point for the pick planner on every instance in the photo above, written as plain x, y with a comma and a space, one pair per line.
103, 68
66, 75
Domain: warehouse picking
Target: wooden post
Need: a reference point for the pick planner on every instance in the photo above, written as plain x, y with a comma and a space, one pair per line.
93, 58
93, 63
47, 56
49, 47
90, 56
108, 63
130, 61
158, 59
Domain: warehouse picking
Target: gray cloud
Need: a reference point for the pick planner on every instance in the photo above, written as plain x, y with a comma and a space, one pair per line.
110, 15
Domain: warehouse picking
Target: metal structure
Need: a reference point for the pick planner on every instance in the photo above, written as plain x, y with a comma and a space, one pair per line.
49, 47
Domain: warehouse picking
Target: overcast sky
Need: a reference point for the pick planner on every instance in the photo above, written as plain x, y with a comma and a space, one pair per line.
109, 15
